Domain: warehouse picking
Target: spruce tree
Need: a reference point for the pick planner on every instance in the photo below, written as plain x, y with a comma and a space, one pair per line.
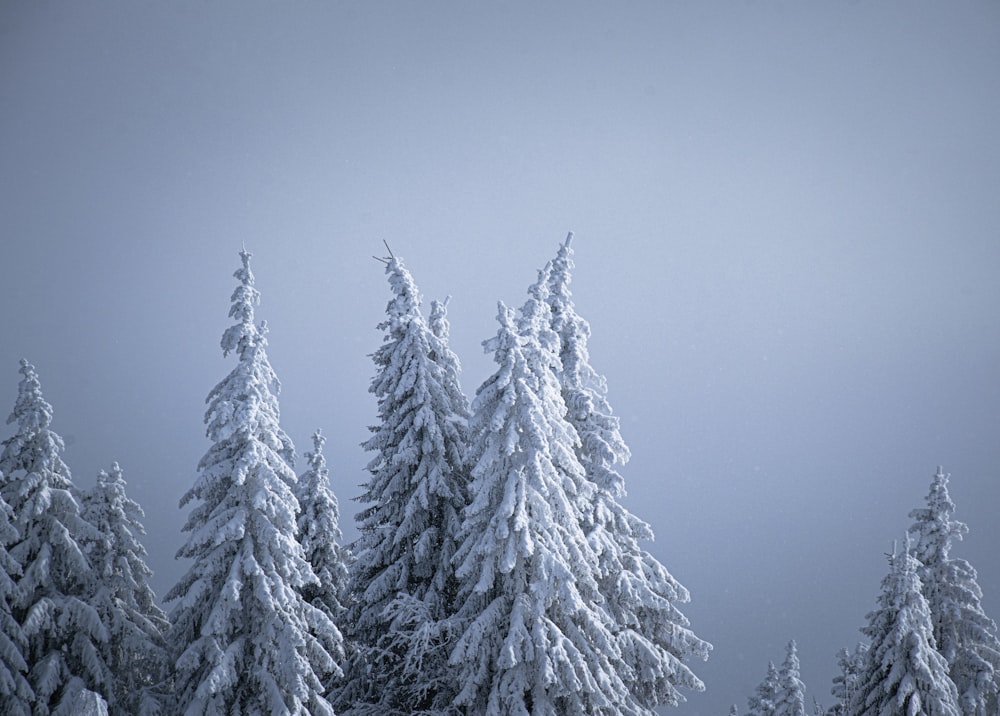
790, 697
762, 701
16, 695
135, 651
904, 674
63, 634
320, 537
402, 588
243, 639
653, 636
536, 638
965, 635
846, 682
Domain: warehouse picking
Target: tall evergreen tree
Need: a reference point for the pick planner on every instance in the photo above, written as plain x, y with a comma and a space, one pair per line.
243, 639
402, 589
16, 695
536, 638
653, 635
64, 635
904, 673
320, 537
790, 698
965, 635
135, 651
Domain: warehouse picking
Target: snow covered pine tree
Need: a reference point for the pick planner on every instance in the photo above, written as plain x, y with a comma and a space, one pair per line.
63, 633
762, 701
320, 537
904, 674
136, 650
790, 695
965, 635
536, 637
402, 587
243, 639
15, 693
653, 636
846, 682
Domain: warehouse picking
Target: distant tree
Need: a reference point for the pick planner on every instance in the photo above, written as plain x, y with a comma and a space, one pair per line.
320, 537
845, 683
536, 638
965, 635
734, 710
63, 634
135, 651
16, 695
653, 636
243, 639
904, 673
790, 696
762, 701
402, 587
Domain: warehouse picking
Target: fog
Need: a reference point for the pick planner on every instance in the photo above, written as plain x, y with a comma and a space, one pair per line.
787, 246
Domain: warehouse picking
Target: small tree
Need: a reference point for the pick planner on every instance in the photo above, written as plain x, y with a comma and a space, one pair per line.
243, 639
965, 635
904, 673
402, 588
790, 697
64, 635
320, 537
846, 682
653, 636
135, 651
762, 701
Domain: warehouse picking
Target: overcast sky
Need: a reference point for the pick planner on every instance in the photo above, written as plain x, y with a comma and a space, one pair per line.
787, 244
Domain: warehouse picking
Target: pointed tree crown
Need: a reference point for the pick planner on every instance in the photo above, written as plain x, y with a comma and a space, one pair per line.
33, 447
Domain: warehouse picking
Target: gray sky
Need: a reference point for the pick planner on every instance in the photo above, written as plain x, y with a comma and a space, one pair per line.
788, 243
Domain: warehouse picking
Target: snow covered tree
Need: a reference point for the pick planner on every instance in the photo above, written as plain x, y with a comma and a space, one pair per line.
15, 692
790, 696
845, 683
904, 672
320, 537
135, 651
653, 636
63, 634
243, 639
402, 588
536, 638
762, 701
965, 635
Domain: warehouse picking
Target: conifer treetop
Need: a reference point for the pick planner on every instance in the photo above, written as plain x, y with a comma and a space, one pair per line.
33, 447
934, 530
244, 335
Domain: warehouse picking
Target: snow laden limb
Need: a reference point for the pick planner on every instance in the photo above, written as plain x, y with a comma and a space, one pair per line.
16, 695
320, 537
903, 673
535, 637
136, 648
965, 635
243, 640
654, 637
402, 587
63, 633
